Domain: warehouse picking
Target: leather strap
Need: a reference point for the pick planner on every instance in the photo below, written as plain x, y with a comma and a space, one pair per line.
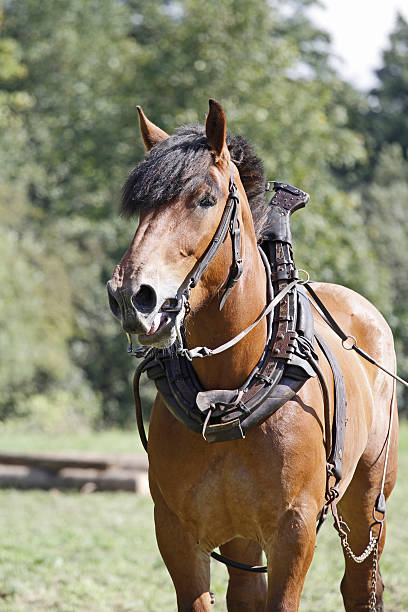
325, 314
335, 458
204, 351
229, 221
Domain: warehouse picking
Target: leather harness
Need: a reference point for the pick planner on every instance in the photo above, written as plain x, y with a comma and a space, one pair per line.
287, 362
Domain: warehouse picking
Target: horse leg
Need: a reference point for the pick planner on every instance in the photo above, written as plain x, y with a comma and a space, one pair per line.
187, 563
289, 556
356, 509
246, 590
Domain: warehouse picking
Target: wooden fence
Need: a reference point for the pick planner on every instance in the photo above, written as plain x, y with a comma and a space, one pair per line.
86, 472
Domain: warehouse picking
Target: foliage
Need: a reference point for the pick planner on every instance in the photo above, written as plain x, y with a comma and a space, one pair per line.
387, 227
382, 183
71, 73
389, 116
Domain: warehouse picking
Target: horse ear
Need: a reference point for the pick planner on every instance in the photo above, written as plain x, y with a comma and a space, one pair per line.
151, 134
215, 130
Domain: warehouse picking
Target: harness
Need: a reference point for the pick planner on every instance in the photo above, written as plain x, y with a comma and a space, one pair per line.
288, 360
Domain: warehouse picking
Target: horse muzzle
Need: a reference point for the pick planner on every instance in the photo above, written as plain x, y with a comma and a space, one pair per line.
138, 313
134, 309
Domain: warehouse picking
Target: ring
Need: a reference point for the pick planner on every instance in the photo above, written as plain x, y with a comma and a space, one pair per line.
305, 280
349, 347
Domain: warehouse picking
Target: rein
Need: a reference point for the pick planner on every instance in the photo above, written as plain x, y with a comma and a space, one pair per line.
204, 351
328, 318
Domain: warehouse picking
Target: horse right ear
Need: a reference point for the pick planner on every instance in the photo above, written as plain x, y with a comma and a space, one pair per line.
215, 129
151, 134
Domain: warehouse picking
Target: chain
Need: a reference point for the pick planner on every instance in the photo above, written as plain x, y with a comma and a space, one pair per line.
372, 547
373, 598
366, 553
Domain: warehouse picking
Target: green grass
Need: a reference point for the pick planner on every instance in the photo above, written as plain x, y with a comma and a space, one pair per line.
71, 552
15, 439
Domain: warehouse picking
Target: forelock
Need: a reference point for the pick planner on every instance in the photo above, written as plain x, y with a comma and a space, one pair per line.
170, 169
181, 163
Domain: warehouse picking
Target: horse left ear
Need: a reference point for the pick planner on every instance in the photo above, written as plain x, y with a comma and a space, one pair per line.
215, 129
151, 134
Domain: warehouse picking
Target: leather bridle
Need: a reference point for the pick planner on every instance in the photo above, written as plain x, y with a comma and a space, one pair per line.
229, 221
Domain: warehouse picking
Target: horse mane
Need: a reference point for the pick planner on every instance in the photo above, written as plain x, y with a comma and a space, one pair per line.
178, 164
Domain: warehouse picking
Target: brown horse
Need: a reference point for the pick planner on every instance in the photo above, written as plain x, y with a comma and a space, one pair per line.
264, 492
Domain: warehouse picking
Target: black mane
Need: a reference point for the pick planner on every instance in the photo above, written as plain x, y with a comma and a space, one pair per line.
177, 165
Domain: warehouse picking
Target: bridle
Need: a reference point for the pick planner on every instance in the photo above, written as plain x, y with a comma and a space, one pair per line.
229, 221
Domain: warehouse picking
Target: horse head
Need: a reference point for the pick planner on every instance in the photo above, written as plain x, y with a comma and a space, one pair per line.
179, 191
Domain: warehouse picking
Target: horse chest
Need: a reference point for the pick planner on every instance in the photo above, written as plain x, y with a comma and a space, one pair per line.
220, 490
215, 499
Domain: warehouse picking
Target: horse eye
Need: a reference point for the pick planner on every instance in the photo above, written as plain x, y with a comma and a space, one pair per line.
207, 201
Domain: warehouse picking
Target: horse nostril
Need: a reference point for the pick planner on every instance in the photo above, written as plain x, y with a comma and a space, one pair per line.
113, 303
145, 299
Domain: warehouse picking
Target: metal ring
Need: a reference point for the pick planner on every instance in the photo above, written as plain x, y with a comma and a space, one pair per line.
307, 279
349, 347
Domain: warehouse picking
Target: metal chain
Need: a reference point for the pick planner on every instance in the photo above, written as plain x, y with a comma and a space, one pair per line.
366, 553
373, 598
372, 547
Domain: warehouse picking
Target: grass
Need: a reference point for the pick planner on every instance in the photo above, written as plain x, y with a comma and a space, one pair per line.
14, 438
71, 552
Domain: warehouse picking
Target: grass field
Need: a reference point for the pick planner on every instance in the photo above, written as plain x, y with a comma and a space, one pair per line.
69, 552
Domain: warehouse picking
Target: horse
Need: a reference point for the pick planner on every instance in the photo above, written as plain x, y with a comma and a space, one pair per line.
265, 491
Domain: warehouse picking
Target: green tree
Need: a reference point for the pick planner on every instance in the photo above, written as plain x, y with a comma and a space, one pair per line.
387, 226
382, 180
389, 117
85, 65
75, 145
35, 311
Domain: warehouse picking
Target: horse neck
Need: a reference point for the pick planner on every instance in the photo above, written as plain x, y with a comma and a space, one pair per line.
210, 327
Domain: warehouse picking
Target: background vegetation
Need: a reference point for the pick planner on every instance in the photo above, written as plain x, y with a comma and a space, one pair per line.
71, 74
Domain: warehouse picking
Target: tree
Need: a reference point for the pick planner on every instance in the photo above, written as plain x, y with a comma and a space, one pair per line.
387, 226
35, 316
263, 60
390, 98
72, 160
